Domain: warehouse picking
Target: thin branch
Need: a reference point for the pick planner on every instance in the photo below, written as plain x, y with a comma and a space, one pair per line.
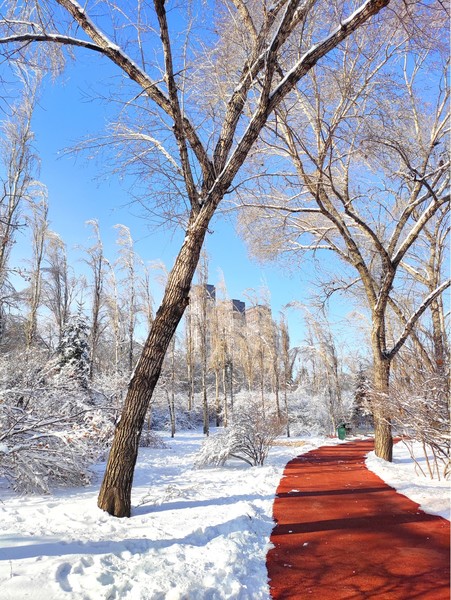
414, 318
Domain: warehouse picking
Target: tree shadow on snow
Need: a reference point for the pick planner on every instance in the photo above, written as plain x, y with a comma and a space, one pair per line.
148, 508
200, 537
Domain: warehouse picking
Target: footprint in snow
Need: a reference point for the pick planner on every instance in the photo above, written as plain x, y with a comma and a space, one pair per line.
62, 573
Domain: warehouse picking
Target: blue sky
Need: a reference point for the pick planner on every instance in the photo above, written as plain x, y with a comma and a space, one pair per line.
79, 191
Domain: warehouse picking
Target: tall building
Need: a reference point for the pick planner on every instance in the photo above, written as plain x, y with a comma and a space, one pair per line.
209, 317
258, 317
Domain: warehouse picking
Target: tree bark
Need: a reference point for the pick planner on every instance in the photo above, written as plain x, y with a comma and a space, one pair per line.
114, 496
383, 440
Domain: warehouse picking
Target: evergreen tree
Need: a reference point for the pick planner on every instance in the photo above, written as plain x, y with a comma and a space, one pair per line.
74, 352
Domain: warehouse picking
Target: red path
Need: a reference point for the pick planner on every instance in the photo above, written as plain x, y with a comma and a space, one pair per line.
343, 534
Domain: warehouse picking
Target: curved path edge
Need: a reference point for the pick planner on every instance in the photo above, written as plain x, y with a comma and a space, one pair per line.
343, 533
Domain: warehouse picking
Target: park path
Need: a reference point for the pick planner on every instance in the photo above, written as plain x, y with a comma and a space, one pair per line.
341, 533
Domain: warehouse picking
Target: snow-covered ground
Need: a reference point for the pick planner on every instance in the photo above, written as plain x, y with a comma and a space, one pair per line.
408, 479
193, 534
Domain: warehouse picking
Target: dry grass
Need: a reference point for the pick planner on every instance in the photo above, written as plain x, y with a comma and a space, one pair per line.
294, 443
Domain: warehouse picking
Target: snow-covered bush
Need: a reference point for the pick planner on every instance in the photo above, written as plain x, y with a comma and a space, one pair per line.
50, 431
248, 437
37, 452
422, 412
150, 439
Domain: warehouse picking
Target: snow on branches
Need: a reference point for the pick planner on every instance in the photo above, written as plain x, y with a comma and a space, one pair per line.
248, 438
50, 431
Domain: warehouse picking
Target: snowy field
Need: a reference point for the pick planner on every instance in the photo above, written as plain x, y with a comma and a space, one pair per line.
193, 534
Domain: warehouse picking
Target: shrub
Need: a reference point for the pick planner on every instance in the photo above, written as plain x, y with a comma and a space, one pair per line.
248, 438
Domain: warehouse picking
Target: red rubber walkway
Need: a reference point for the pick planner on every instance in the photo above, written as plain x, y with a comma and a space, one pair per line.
341, 533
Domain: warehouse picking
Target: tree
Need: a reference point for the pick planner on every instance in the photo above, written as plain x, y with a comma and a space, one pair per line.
97, 263
426, 267
39, 224
363, 172
113, 311
287, 365
204, 152
73, 350
323, 352
127, 263
18, 163
58, 286
222, 341
204, 299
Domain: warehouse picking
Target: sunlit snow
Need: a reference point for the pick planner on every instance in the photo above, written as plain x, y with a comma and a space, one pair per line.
194, 534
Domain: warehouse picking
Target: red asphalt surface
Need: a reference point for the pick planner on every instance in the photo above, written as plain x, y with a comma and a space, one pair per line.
341, 533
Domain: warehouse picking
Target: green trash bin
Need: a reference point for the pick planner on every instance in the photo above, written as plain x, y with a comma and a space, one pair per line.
341, 430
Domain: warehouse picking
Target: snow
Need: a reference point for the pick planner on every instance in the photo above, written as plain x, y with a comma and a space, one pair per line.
194, 533
433, 496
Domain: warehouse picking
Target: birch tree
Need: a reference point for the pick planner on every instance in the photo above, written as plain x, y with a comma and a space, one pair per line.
363, 173
198, 146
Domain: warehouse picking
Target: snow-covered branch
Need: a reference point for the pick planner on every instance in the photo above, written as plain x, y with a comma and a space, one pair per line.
414, 318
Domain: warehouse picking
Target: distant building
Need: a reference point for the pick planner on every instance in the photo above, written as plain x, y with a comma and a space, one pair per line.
258, 317
210, 290
239, 306
212, 316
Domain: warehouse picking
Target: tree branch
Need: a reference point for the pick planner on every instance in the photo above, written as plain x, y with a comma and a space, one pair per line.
317, 51
414, 318
51, 38
179, 130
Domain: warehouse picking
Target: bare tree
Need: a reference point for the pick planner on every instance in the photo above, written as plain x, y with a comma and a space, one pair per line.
19, 166
203, 152
190, 362
58, 286
114, 314
288, 357
222, 338
145, 294
363, 160
39, 225
128, 264
426, 267
97, 263
203, 299
325, 360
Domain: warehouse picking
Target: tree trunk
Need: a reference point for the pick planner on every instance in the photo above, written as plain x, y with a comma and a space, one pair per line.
218, 402
439, 339
190, 360
224, 396
231, 387
172, 396
205, 409
114, 496
383, 441
287, 413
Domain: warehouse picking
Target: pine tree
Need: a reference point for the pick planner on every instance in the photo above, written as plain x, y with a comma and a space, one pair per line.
74, 352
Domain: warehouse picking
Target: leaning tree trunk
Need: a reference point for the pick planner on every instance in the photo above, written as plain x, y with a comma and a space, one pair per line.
383, 440
115, 492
